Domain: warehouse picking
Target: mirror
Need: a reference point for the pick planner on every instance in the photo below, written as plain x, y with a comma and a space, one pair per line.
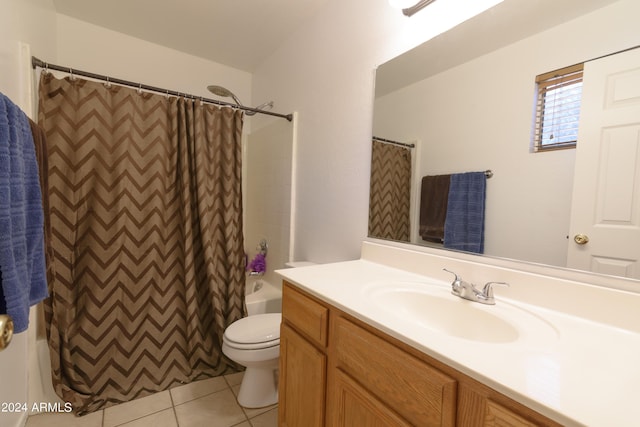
466, 98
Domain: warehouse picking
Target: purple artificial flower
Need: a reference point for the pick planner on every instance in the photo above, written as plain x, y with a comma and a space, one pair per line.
258, 264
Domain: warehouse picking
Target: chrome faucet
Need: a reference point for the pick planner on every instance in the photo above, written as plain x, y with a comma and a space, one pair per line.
469, 292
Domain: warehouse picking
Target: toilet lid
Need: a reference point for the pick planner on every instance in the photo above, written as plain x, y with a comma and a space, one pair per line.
257, 329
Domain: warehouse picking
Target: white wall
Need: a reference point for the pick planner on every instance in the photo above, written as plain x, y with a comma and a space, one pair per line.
29, 22
325, 72
92, 48
26, 27
478, 116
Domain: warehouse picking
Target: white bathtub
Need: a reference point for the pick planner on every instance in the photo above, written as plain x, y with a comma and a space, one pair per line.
262, 297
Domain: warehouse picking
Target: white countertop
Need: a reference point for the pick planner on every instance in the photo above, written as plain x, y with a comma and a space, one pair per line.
571, 369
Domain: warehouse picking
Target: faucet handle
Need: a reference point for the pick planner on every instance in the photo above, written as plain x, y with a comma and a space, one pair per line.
454, 273
487, 290
457, 282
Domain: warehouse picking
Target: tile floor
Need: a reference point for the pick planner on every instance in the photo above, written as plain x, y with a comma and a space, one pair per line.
207, 403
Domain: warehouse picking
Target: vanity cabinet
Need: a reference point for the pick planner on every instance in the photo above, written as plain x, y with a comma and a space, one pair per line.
303, 360
336, 370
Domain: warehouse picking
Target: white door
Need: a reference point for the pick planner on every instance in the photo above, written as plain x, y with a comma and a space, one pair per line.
606, 195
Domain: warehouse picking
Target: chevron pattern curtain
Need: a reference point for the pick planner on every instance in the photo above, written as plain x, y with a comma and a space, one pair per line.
146, 218
390, 192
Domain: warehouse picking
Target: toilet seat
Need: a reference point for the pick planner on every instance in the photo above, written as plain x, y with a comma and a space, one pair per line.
254, 332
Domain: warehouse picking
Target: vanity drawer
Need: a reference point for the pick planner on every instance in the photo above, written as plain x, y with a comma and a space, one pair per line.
305, 314
418, 392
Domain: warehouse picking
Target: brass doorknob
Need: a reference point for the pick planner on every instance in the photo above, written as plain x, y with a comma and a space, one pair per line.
6, 330
581, 239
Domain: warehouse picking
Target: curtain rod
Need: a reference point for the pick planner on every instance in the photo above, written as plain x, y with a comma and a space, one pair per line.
35, 62
404, 144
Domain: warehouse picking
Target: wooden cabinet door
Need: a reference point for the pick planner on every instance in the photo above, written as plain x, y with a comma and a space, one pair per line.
418, 392
352, 405
480, 406
302, 381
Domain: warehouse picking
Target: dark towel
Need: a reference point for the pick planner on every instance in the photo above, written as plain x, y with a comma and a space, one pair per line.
21, 217
433, 207
464, 226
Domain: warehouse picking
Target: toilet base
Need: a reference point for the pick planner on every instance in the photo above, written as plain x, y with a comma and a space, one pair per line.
259, 387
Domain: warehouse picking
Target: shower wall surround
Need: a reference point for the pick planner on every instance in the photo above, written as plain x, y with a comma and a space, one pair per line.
268, 157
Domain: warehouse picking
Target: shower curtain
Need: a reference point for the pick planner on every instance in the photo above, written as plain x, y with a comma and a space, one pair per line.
390, 192
146, 218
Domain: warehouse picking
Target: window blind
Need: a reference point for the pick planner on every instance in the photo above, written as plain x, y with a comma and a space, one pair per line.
558, 108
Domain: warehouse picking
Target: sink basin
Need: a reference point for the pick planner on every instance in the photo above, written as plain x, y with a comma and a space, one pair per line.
436, 309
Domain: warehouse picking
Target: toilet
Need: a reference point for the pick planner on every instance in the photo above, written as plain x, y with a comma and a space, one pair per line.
254, 342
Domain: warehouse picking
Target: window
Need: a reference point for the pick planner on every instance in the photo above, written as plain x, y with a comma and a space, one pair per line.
558, 109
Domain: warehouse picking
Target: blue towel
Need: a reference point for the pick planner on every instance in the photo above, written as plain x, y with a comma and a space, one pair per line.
464, 223
22, 262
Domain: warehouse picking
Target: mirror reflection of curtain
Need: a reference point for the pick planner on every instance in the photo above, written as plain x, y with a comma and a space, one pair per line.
390, 193
145, 204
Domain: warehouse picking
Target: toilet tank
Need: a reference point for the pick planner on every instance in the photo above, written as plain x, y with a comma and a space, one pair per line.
263, 297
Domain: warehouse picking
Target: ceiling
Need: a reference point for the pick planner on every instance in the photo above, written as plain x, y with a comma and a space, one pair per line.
236, 33
499, 26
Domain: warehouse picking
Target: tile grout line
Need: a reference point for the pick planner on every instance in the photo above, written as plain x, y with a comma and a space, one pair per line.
230, 387
145, 415
246, 416
244, 411
173, 408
